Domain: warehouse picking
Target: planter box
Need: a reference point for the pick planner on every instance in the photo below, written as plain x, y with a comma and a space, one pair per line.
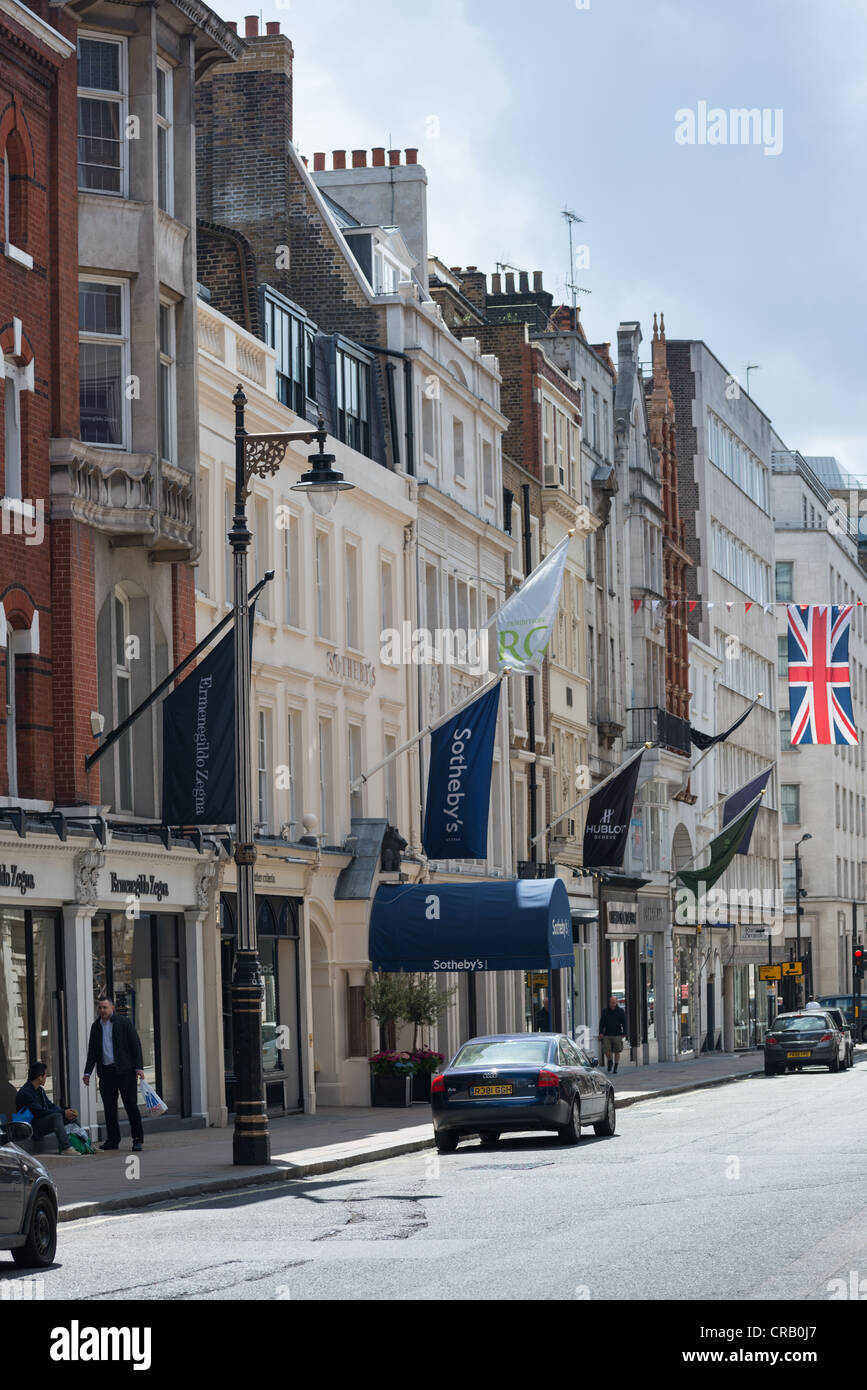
421, 1086
391, 1090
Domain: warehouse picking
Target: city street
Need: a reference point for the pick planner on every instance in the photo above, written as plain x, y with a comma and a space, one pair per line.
743, 1192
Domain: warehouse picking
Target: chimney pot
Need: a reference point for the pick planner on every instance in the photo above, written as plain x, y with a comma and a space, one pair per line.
524, 281
537, 279
394, 156
251, 26
496, 283
305, 161
510, 282
338, 159
273, 26
359, 159
318, 161
472, 268
233, 25
411, 156
378, 156
455, 269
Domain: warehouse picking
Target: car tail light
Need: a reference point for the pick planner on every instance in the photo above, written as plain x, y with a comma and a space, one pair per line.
548, 1078
771, 1039
437, 1084
826, 1037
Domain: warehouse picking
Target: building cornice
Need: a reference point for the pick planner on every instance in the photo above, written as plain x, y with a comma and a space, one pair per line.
49, 37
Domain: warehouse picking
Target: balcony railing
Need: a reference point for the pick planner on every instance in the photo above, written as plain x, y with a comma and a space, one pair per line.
650, 724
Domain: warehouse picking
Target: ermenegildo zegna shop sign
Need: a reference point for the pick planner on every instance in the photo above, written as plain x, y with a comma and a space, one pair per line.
621, 918
142, 886
18, 880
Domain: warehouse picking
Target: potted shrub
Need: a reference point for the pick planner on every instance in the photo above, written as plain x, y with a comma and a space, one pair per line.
391, 1076
426, 1063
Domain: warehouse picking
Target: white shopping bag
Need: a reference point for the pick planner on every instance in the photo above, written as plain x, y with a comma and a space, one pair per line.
150, 1100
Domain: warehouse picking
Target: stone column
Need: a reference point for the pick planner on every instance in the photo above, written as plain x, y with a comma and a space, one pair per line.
78, 987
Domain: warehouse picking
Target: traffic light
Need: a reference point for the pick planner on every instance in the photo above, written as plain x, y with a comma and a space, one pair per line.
858, 960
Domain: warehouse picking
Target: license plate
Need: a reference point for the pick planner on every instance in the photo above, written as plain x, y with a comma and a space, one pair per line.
490, 1090
799, 1054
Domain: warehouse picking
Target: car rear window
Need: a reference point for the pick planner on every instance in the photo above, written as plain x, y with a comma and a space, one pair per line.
522, 1051
808, 1023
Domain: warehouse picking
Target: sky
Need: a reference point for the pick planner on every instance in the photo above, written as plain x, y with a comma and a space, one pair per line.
522, 109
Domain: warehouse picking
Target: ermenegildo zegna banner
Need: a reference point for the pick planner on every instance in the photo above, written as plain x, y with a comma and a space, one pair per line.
459, 782
199, 742
608, 818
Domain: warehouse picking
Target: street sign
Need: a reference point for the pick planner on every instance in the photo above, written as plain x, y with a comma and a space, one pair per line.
793, 967
755, 933
769, 972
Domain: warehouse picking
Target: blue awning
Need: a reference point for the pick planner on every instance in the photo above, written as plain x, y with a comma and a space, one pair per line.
523, 924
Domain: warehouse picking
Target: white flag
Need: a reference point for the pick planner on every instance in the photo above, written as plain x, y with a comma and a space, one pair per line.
524, 622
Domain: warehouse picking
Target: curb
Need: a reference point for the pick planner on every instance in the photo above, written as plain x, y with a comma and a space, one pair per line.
267, 1177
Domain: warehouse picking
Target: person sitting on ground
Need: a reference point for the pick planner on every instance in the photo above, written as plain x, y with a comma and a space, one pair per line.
47, 1117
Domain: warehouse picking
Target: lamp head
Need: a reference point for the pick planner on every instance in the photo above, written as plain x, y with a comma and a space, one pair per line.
322, 482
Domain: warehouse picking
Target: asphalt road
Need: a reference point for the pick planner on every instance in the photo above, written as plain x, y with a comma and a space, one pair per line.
750, 1191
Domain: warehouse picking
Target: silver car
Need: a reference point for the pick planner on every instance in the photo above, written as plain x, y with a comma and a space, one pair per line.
28, 1201
805, 1038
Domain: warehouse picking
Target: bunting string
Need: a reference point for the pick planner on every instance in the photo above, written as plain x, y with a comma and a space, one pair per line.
689, 605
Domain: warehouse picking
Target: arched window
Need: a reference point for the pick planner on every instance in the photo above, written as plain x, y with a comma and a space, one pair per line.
15, 193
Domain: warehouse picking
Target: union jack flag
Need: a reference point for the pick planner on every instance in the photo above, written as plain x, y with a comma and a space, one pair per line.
820, 698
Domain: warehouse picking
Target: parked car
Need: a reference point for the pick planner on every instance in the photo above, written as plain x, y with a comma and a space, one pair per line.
846, 1004
845, 1028
805, 1038
28, 1201
518, 1081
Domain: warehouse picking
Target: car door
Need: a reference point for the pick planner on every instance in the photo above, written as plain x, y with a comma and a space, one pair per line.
11, 1191
592, 1101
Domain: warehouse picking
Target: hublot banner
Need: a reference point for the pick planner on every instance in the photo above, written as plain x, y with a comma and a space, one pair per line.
608, 818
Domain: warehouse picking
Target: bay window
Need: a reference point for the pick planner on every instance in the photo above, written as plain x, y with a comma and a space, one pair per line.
101, 115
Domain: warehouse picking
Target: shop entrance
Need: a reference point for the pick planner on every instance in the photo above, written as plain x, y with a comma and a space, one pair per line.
31, 1003
138, 962
621, 974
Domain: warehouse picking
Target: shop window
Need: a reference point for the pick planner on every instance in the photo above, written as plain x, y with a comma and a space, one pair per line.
31, 949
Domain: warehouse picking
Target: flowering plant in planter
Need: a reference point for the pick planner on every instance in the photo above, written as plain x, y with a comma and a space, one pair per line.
392, 1064
427, 1061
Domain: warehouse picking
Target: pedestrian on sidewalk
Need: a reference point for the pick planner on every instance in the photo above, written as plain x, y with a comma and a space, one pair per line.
612, 1031
48, 1118
114, 1048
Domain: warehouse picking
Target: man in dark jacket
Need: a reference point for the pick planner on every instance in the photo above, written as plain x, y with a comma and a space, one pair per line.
612, 1031
114, 1048
47, 1117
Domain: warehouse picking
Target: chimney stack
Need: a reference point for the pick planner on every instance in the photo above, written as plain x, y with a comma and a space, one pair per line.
273, 26
378, 156
338, 159
537, 280
251, 26
233, 25
474, 286
318, 162
359, 159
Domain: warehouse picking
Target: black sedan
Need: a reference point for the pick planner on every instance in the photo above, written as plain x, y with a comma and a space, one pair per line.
808, 1038
28, 1201
510, 1082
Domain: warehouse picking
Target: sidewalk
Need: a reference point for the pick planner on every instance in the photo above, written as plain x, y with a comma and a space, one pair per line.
186, 1163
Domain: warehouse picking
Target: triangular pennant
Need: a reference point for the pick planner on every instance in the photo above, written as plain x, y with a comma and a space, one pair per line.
747, 607
693, 603
636, 604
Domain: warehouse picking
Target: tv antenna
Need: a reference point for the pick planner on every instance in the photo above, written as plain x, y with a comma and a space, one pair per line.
751, 367
571, 218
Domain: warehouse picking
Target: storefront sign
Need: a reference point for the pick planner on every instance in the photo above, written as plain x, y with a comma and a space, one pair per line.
349, 668
143, 886
652, 913
754, 933
18, 879
264, 878
621, 918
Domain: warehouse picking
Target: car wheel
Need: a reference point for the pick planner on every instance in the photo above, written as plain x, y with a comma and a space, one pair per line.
607, 1125
490, 1139
570, 1133
447, 1141
770, 1069
834, 1065
41, 1243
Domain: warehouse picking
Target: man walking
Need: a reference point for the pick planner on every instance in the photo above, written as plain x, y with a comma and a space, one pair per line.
114, 1048
47, 1117
612, 1031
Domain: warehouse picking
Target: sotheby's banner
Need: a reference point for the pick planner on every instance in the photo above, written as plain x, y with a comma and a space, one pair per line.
199, 741
525, 620
459, 782
608, 819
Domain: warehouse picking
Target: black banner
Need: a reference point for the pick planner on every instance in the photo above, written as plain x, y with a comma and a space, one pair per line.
199, 741
608, 817
703, 741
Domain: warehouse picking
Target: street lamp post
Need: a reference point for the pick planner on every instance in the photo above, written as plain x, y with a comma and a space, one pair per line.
260, 456
805, 836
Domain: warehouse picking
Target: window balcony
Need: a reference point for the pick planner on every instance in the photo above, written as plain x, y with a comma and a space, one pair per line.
653, 725
137, 499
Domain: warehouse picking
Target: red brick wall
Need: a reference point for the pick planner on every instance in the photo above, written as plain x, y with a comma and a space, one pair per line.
183, 611
37, 131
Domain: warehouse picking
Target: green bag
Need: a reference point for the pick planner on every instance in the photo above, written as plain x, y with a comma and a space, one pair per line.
83, 1146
